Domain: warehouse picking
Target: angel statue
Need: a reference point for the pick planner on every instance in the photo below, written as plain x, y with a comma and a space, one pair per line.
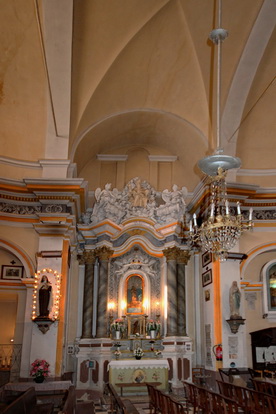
174, 206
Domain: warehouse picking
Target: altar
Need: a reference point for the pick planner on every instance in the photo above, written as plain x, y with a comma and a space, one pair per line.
126, 373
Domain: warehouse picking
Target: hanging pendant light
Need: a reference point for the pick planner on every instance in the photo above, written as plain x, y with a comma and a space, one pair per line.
221, 230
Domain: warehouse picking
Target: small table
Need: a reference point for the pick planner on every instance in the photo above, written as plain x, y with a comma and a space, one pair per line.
44, 386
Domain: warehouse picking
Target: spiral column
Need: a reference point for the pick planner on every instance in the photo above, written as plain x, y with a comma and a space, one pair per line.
88, 258
103, 253
171, 256
182, 259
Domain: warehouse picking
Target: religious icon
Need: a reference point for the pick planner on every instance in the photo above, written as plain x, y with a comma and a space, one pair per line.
135, 294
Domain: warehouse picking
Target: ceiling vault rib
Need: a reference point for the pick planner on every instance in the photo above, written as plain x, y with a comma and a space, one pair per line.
45, 65
251, 109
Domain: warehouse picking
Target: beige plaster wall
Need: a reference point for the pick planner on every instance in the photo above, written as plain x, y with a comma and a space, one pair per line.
160, 174
22, 83
8, 310
24, 239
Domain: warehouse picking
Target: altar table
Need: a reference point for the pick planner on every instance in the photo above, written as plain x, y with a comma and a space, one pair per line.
133, 374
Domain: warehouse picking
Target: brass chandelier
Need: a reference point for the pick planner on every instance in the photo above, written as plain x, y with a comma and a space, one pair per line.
222, 229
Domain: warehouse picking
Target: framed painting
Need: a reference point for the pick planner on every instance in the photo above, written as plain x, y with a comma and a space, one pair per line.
206, 258
134, 294
12, 272
207, 278
136, 326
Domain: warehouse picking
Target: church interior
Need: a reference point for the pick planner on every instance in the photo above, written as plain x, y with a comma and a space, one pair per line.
138, 193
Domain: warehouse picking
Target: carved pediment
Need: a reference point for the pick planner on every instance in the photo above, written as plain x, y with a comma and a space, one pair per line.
137, 199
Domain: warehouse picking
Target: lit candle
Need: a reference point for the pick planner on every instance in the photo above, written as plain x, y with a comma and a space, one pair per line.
250, 213
227, 207
212, 210
194, 217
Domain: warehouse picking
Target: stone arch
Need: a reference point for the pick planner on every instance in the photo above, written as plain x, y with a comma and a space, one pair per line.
21, 255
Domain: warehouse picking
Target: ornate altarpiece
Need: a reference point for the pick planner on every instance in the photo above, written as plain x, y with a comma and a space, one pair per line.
140, 230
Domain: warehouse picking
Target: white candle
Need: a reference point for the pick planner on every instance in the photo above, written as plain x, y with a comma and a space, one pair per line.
191, 225
238, 208
227, 207
194, 217
212, 210
250, 213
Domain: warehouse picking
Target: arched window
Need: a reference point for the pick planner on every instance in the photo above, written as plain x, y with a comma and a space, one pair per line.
271, 286
269, 289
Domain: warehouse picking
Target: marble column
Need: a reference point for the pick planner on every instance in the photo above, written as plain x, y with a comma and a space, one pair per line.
88, 258
171, 256
103, 254
182, 259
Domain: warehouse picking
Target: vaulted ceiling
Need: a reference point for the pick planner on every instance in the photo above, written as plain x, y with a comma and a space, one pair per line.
105, 76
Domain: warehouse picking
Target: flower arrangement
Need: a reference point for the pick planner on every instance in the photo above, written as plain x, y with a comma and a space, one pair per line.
138, 352
158, 353
117, 353
118, 325
155, 376
40, 368
121, 376
153, 325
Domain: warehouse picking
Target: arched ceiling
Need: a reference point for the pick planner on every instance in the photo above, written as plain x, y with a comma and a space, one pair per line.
144, 74
139, 73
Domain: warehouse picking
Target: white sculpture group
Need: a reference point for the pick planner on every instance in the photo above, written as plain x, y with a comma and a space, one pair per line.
138, 199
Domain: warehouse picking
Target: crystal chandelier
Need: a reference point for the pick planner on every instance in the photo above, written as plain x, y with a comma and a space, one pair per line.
221, 230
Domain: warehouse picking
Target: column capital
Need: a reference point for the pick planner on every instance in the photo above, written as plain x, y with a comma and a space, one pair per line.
104, 253
175, 253
183, 257
88, 257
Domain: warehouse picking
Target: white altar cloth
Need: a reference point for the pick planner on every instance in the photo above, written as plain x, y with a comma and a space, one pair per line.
131, 371
139, 363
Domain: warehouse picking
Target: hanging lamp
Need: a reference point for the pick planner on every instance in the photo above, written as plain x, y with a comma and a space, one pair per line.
222, 229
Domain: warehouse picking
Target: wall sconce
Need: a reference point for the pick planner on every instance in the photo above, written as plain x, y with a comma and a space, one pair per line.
234, 324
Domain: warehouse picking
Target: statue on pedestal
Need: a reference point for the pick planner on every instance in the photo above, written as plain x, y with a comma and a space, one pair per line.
234, 300
44, 294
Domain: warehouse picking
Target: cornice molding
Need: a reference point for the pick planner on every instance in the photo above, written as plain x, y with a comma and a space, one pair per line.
256, 172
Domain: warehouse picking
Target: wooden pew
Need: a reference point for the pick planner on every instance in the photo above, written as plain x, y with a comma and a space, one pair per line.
248, 399
71, 406
118, 405
26, 403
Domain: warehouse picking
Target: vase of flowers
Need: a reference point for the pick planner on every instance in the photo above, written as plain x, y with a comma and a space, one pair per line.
117, 354
118, 327
138, 352
39, 370
153, 327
